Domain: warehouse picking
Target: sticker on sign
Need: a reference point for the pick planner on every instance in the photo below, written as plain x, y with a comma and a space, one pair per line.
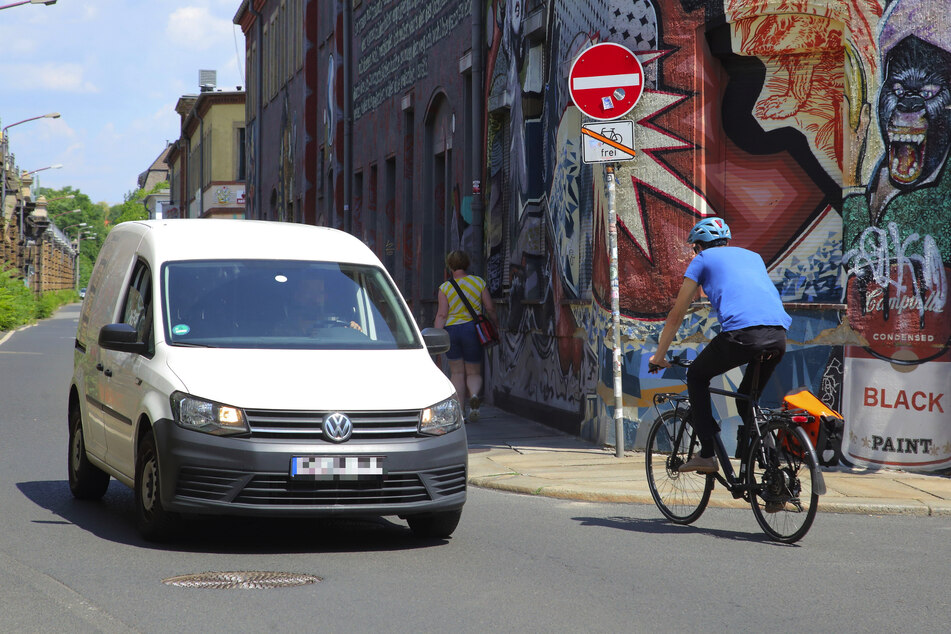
606, 81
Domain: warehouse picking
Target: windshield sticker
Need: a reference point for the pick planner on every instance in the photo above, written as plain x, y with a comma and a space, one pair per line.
180, 329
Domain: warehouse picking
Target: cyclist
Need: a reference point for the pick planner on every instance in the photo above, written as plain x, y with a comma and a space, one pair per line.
752, 321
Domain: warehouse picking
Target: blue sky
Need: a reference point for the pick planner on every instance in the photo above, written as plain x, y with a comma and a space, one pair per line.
114, 70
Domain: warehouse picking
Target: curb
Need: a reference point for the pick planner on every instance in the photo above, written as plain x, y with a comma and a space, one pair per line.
578, 493
492, 469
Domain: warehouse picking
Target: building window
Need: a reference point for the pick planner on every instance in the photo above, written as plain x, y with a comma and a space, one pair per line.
371, 216
388, 239
358, 227
242, 155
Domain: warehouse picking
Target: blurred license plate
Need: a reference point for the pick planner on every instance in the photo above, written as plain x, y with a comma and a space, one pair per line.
336, 467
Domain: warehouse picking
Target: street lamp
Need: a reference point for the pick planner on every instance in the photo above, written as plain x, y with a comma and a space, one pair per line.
79, 237
64, 213
48, 167
48, 115
3, 150
25, 173
16, 4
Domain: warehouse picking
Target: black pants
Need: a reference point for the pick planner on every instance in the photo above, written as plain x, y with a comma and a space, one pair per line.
730, 350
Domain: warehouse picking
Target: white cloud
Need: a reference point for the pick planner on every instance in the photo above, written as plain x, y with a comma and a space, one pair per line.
196, 29
50, 76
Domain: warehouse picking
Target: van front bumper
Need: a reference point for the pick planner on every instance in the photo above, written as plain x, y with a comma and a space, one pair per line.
206, 474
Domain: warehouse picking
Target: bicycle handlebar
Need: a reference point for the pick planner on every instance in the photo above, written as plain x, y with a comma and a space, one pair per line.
676, 360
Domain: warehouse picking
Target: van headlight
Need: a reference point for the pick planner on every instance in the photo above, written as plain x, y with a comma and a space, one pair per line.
207, 416
441, 418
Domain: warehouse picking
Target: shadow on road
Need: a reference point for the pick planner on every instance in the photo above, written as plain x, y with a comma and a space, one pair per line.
113, 519
661, 526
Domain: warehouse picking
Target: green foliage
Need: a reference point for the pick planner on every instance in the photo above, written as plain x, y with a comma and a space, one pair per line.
49, 302
69, 208
17, 304
132, 208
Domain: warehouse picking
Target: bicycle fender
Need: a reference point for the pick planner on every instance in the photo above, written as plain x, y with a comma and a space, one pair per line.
818, 482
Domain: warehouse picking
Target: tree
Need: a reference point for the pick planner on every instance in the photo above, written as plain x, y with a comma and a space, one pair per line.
134, 208
61, 207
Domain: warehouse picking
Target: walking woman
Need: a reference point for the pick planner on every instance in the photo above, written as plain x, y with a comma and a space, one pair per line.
465, 350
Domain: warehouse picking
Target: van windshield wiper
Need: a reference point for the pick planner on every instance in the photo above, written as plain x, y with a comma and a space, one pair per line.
188, 344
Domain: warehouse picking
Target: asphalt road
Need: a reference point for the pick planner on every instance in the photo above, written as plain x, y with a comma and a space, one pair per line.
516, 563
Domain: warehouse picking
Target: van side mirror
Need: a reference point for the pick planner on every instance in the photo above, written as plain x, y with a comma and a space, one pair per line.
436, 340
122, 337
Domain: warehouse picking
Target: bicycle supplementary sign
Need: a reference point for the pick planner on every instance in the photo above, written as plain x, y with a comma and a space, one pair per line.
607, 142
606, 81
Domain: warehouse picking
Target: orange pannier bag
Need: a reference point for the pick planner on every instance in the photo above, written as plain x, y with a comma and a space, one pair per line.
824, 427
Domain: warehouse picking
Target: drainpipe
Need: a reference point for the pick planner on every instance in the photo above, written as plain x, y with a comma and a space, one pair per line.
347, 116
259, 107
478, 103
201, 164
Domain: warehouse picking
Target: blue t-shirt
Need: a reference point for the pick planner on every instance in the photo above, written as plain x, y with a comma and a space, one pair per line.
739, 288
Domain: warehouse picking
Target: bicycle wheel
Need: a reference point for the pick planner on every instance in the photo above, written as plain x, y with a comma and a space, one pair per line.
681, 497
780, 480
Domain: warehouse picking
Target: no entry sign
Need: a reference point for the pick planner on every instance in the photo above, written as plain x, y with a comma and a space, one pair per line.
606, 81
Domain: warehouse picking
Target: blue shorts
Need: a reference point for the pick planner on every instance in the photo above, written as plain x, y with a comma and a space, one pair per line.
464, 343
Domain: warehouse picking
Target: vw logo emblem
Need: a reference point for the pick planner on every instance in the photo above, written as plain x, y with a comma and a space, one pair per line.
337, 427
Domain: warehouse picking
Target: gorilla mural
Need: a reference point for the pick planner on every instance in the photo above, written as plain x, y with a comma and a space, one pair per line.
913, 112
897, 234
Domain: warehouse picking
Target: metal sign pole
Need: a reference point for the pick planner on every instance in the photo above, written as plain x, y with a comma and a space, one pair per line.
615, 317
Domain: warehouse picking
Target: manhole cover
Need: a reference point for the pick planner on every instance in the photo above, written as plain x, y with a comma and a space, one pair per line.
256, 580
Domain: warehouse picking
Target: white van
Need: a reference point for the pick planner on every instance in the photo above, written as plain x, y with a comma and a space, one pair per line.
259, 368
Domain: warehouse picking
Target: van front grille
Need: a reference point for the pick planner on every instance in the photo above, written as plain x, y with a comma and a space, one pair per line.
306, 425
447, 481
279, 489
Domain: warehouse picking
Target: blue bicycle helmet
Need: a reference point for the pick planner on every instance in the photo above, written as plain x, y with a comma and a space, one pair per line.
708, 230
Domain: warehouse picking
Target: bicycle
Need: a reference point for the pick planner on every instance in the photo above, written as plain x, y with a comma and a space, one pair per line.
778, 468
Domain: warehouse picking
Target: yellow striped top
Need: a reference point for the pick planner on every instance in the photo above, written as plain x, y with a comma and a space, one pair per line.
472, 286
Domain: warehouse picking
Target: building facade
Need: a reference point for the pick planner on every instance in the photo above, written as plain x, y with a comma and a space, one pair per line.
206, 165
819, 129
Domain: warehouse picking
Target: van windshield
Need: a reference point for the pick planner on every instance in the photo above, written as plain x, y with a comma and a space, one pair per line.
283, 304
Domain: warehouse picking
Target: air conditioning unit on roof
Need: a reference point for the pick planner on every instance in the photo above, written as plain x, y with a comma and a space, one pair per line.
207, 80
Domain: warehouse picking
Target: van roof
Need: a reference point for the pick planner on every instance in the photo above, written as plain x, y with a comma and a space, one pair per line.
218, 238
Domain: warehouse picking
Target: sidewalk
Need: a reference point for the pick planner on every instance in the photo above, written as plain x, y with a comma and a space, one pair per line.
511, 453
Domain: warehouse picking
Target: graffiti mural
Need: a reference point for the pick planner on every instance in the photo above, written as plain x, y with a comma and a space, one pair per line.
819, 130
898, 249
772, 168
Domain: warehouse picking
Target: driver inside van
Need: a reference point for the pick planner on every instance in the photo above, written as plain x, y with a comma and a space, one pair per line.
311, 306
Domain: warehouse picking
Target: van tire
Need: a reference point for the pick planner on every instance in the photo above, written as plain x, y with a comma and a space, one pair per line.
153, 521
434, 525
86, 480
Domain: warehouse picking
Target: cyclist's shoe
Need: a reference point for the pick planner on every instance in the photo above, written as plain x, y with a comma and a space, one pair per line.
474, 403
700, 465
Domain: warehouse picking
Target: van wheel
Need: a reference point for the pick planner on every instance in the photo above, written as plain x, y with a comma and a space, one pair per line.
86, 480
434, 525
152, 520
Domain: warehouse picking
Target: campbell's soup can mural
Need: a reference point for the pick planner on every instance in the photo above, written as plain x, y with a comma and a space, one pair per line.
897, 246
